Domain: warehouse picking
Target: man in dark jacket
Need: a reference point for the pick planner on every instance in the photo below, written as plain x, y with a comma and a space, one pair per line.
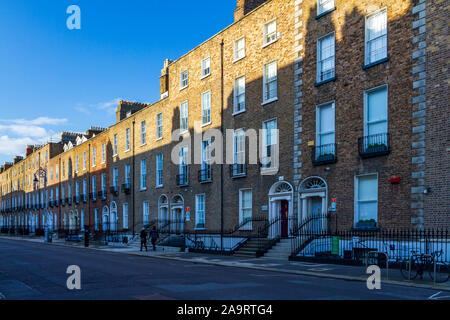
154, 236
143, 239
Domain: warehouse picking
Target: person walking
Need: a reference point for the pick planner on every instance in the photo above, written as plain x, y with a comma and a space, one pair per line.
143, 236
154, 237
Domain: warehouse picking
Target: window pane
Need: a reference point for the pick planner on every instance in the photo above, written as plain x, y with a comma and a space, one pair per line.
367, 188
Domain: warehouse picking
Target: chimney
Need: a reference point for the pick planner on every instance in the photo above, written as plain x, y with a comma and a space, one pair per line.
245, 6
29, 150
126, 109
164, 80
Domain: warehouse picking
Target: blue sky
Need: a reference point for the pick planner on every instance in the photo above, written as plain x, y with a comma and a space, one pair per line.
54, 79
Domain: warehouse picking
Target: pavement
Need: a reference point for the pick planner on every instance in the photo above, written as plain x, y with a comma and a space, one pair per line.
311, 273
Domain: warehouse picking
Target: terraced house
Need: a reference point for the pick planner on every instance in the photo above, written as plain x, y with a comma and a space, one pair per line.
299, 109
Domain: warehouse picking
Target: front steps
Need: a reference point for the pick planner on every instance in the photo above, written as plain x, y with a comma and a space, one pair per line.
250, 249
280, 250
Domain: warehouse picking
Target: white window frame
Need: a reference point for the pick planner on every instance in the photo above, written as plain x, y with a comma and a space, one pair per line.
237, 152
145, 213
125, 215
115, 144
184, 117
320, 7
266, 82
143, 174
206, 109
77, 160
184, 79
367, 54
116, 178
273, 36
84, 160
366, 108
200, 211
159, 169
94, 157
206, 70
356, 196
320, 61
238, 94
265, 144
319, 132
247, 226
237, 57
127, 139
127, 175
103, 153
159, 126
143, 132
94, 188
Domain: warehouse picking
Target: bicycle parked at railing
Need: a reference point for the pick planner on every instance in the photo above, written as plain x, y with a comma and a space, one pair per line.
418, 264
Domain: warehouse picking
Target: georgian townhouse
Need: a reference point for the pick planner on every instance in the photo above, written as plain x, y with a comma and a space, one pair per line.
321, 107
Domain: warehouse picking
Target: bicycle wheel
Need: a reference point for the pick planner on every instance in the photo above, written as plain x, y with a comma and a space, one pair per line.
404, 269
442, 272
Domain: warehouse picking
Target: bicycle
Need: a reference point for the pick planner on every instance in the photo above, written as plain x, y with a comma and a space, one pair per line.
418, 264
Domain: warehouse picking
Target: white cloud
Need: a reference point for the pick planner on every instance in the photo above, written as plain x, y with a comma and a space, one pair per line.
16, 134
109, 106
36, 122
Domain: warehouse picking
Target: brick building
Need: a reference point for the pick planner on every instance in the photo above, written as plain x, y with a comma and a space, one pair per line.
342, 81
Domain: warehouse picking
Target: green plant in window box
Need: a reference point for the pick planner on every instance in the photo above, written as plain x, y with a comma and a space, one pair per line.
377, 146
326, 155
366, 224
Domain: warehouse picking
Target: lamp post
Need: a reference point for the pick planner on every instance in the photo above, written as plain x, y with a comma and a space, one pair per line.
41, 174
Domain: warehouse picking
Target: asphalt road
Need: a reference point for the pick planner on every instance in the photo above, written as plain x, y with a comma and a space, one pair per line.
38, 271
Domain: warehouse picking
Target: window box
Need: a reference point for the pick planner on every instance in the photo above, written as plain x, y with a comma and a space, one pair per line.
182, 180
205, 175
366, 225
126, 188
375, 145
325, 154
238, 171
200, 226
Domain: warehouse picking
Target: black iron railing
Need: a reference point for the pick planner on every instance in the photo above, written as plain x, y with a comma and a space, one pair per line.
183, 178
324, 154
354, 245
205, 175
238, 170
374, 145
126, 188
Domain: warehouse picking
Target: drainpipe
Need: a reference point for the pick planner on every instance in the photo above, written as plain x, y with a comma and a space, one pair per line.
133, 182
88, 187
223, 147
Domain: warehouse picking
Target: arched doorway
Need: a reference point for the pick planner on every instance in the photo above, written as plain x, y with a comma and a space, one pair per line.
113, 217
281, 197
313, 200
73, 220
163, 213
177, 210
105, 218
